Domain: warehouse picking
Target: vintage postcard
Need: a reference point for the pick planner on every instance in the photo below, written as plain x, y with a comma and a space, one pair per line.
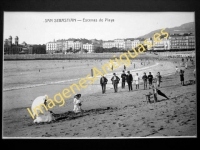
99, 75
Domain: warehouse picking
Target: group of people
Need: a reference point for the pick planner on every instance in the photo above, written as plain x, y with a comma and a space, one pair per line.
154, 82
128, 78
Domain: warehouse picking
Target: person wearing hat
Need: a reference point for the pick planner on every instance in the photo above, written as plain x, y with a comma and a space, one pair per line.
123, 76
115, 80
129, 80
103, 82
150, 78
77, 103
144, 77
182, 77
158, 77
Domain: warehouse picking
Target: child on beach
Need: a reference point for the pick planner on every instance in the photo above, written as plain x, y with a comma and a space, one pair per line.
137, 81
77, 103
182, 77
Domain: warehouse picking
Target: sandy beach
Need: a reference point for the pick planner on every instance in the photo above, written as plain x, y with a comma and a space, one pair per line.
122, 114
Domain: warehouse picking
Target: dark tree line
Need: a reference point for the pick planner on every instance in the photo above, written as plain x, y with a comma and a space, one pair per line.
39, 49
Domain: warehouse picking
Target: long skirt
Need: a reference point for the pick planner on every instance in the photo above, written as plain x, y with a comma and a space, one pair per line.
77, 108
46, 117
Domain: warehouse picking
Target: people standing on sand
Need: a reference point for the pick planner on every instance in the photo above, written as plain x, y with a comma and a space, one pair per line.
124, 67
194, 72
150, 78
185, 65
137, 79
129, 79
77, 103
103, 82
144, 78
123, 76
158, 77
115, 80
176, 69
182, 77
182, 64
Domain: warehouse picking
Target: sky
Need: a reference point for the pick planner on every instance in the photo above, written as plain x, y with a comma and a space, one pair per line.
33, 27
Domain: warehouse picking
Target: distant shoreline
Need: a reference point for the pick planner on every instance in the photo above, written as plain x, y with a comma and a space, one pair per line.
80, 56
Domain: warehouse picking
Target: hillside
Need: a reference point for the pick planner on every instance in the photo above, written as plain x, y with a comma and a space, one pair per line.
184, 28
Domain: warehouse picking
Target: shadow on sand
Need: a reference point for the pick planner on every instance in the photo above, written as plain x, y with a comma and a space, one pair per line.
189, 82
70, 115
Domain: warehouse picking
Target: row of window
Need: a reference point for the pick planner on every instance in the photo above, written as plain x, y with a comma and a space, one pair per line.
179, 44
186, 47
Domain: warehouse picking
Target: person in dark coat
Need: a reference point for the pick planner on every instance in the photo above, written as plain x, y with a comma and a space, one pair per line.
182, 77
103, 82
123, 76
144, 78
129, 79
150, 78
115, 80
124, 67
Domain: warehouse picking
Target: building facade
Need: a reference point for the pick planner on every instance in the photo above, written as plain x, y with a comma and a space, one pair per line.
91, 47
148, 43
191, 42
119, 43
135, 43
108, 44
128, 45
16, 48
51, 47
161, 44
182, 41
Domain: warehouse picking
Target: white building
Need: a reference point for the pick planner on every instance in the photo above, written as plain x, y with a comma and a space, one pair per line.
149, 44
89, 47
120, 43
51, 47
163, 44
77, 45
70, 44
108, 44
135, 43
